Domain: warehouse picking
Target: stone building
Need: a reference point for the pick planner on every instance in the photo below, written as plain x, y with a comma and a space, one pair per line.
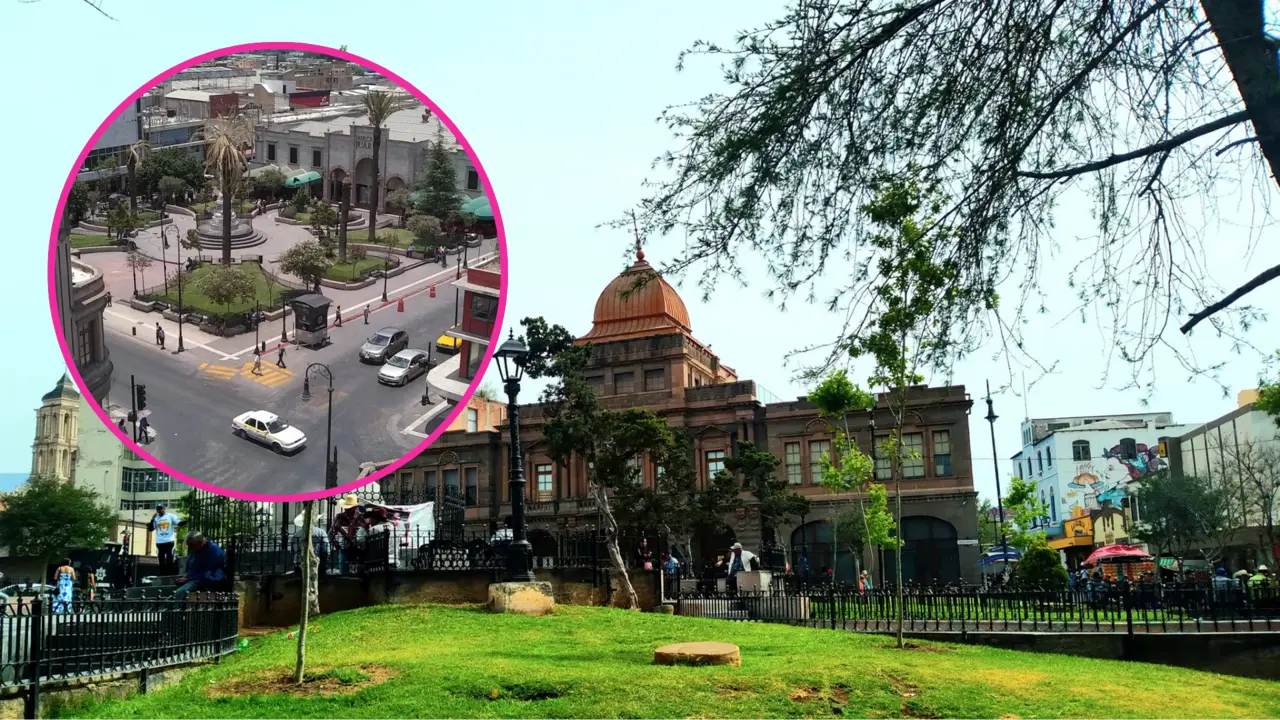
82, 297
646, 355
53, 453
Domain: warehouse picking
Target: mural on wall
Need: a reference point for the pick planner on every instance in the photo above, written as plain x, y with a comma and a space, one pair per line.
1108, 480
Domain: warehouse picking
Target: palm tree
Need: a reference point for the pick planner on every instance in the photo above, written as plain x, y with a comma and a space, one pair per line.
379, 105
137, 153
226, 140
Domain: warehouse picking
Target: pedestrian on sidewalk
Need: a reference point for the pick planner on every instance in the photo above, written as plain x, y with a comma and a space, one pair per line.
144, 431
159, 335
108, 298
339, 314
366, 314
280, 358
257, 363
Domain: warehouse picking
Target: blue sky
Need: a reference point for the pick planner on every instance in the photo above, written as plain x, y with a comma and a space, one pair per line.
559, 100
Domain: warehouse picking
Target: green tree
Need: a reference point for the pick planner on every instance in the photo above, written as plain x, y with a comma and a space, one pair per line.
169, 162
226, 141
835, 94
398, 200
1041, 569
138, 264
1182, 513
270, 182
106, 169
323, 219
758, 472
988, 531
225, 284
1269, 396
437, 185
46, 517
379, 106
425, 229
172, 188
577, 426
78, 201
301, 199
1023, 511
306, 261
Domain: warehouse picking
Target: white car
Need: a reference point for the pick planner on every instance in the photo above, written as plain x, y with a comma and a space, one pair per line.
403, 367
268, 429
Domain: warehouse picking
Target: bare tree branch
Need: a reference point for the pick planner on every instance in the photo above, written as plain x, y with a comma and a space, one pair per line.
91, 3
1259, 280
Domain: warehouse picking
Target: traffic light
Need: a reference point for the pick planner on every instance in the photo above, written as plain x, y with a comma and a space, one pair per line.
141, 396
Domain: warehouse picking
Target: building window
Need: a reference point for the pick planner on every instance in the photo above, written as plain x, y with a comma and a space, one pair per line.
715, 462
544, 478
942, 453
634, 471
484, 308
794, 474
473, 179
271, 152
1128, 449
655, 379
596, 382
84, 347
450, 482
472, 476
315, 158
624, 383
884, 463
1039, 462
473, 420
913, 462
293, 156
1053, 506
1048, 456
429, 484
817, 448
1080, 451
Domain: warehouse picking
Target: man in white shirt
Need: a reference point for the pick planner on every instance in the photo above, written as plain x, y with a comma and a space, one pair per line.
165, 525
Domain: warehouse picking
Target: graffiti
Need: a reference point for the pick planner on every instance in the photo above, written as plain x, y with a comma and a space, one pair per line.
1093, 486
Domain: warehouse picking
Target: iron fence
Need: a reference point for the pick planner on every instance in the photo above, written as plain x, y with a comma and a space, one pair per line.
45, 641
1137, 608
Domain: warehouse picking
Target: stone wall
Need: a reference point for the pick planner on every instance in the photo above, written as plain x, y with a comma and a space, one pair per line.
54, 698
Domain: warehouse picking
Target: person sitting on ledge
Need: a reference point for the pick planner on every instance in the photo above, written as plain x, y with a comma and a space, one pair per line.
205, 564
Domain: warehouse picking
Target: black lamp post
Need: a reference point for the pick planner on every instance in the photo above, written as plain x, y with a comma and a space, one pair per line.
511, 357
995, 462
330, 467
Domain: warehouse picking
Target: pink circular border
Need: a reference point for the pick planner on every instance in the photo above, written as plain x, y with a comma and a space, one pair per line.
494, 339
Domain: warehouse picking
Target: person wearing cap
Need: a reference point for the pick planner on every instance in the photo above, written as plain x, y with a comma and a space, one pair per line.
1260, 579
739, 561
345, 529
165, 525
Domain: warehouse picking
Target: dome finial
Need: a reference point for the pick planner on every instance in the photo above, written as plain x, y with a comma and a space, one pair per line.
636, 228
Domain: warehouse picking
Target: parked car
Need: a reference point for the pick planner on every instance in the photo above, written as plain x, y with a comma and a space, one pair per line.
268, 429
403, 367
384, 344
448, 343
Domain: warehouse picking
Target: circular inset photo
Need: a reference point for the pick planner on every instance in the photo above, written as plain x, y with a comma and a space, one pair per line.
277, 271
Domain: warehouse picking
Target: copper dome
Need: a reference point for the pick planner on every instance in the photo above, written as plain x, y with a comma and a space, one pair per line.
638, 303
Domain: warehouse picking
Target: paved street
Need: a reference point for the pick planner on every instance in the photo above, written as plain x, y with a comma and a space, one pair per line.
194, 395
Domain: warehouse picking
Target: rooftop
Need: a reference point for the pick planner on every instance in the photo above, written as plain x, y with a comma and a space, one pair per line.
408, 126
197, 95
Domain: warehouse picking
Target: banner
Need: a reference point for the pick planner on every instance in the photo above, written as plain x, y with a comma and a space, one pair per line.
309, 98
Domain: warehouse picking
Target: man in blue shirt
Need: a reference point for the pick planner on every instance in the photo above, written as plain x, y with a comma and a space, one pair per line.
205, 564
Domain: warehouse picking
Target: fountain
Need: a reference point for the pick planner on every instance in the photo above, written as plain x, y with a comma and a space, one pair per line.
209, 231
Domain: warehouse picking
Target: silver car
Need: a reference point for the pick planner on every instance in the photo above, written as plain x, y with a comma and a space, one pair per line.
403, 367
384, 344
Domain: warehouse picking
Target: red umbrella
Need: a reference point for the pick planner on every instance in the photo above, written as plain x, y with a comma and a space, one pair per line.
1117, 553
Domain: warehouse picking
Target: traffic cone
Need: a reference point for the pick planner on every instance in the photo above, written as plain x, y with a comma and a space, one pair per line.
400, 305
433, 291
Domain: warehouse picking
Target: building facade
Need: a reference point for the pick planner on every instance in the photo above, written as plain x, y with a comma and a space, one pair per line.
644, 354
341, 150
1086, 469
82, 297
53, 452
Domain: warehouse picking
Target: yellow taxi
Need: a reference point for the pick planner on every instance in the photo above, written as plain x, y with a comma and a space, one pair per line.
446, 343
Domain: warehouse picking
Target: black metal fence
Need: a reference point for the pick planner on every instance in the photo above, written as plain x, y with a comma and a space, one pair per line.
45, 641
1137, 608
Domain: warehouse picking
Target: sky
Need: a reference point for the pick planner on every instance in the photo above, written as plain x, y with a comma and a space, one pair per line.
559, 101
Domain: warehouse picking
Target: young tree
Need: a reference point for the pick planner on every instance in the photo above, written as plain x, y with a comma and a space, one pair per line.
106, 169
437, 185
1041, 569
226, 140
46, 517
425, 229
1252, 470
225, 284
136, 153
398, 200
310, 591
172, 188
301, 199
1153, 107
138, 264
270, 182
306, 261
379, 106
988, 530
169, 162
323, 219
577, 427
78, 202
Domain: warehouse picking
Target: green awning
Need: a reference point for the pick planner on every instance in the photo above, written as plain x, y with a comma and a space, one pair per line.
478, 207
305, 178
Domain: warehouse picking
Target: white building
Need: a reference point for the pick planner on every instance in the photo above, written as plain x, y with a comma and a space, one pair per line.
124, 131
1090, 462
340, 150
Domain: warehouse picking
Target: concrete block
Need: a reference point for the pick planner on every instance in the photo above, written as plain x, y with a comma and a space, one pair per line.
525, 598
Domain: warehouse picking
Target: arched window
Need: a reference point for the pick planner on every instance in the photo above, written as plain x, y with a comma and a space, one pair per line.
1080, 451
1053, 507
930, 552
1039, 462
1048, 456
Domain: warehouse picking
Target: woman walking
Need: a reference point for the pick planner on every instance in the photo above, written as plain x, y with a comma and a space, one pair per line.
65, 580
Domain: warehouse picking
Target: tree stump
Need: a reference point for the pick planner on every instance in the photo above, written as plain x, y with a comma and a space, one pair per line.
698, 653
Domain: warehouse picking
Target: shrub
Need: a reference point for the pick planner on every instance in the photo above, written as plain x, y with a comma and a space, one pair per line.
1041, 569
289, 213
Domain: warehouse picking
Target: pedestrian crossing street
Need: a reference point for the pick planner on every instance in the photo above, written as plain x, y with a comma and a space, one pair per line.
272, 376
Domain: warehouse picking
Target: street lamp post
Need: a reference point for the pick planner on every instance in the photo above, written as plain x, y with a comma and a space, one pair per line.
995, 462
511, 357
330, 468
181, 309
164, 245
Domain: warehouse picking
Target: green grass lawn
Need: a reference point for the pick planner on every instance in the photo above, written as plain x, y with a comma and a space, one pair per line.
148, 216
348, 272
195, 301
432, 661
87, 241
402, 238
